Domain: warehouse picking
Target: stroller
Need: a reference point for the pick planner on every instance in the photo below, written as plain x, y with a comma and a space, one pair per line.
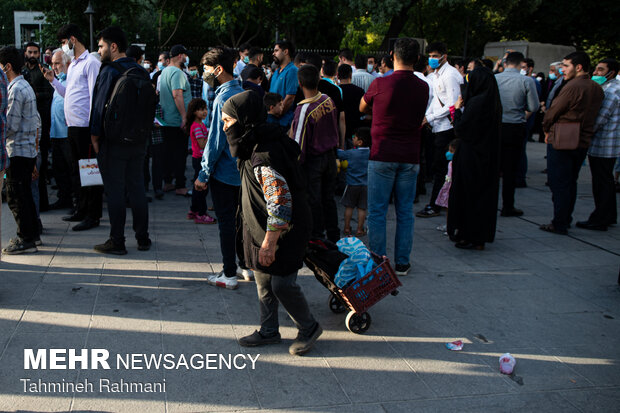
323, 259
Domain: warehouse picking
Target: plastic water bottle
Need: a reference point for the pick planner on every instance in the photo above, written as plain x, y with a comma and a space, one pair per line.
507, 363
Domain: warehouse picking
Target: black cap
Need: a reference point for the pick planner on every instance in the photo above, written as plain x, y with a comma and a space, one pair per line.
178, 49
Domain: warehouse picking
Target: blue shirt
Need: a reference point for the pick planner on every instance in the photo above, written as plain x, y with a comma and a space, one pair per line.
357, 171
59, 124
217, 162
284, 82
518, 94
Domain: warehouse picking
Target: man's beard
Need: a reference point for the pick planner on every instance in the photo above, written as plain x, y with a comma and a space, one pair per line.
276, 60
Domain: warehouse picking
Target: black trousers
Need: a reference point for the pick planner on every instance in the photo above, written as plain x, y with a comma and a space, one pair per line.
19, 197
321, 182
512, 142
62, 169
44, 148
225, 203
563, 171
440, 163
175, 145
157, 153
90, 198
604, 191
122, 173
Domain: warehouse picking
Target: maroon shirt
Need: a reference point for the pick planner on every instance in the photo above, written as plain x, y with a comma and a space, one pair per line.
315, 126
398, 106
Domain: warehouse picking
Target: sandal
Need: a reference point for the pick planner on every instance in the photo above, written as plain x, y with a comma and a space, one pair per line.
346, 232
551, 228
360, 233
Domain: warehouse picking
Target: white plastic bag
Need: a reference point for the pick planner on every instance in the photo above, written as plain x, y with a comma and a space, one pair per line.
89, 172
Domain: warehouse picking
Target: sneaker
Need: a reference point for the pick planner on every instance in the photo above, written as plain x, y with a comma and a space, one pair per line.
191, 215
109, 247
303, 344
427, 212
204, 219
442, 228
244, 273
402, 269
257, 339
144, 245
38, 242
19, 246
221, 280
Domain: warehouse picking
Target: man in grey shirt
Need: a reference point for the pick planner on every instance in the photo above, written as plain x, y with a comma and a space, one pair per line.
519, 100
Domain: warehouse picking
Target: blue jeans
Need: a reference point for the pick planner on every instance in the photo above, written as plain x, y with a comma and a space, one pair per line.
383, 177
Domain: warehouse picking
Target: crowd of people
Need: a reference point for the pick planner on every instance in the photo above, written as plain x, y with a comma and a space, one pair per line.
273, 144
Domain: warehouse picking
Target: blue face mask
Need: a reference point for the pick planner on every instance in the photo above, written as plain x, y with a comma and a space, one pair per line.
62, 76
560, 70
599, 79
433, 62
186, 60
160, 65
449, 155
246, 60
370, 68
552, 76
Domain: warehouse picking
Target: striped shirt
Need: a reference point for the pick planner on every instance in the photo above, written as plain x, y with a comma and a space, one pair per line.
23, 120
4, 157
606, 139
315, 126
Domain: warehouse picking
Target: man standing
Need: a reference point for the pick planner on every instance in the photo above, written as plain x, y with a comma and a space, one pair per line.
351, 96
121, 163
243, 60
61, 149
22, 126
361, 77
44, 92
397, 104
605, 149
81, 78
579, 101
387, 66
195, 81
174, 96
446, 82
4, 157
255, 60
519, 101
219, 167
284, 80
345, 57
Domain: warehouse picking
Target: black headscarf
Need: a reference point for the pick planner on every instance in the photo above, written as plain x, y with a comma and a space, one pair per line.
482, 88
248, 109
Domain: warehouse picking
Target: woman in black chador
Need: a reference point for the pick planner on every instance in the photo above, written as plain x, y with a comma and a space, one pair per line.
473, 198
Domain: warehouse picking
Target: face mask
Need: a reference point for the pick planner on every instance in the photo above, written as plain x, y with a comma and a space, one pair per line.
210, 79
246, 60
370, 68
449, 155
186, 60
540, 79
68, 50
433, 62
560, 70
62, 76
160, 66
523, 72
552, 76
599, 79
193, 73
147, 66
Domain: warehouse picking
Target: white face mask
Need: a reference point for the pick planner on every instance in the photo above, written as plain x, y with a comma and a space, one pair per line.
147, 66
540, 79
68, 50
523, 72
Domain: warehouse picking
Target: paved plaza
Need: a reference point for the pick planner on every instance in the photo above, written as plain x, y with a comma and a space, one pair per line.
552, 301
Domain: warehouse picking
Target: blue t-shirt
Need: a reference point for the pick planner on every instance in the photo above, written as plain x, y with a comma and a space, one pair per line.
284, 82
173, 78
357, 171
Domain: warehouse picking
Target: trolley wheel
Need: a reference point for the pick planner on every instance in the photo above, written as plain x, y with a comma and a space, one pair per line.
335, 305
358, 323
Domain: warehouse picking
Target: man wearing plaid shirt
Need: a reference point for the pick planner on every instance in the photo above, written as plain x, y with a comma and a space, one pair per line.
605, 149
4, 158
22, 125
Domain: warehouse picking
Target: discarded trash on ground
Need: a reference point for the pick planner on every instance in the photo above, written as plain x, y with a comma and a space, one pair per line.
507, 363
455, 345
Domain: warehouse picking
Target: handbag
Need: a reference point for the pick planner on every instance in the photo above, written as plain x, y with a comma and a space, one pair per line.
89, 172
565, 135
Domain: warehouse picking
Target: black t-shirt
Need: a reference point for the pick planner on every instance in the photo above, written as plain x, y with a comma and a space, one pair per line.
330, 90
352, 95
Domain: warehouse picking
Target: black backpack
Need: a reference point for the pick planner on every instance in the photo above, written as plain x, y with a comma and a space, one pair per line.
130, 110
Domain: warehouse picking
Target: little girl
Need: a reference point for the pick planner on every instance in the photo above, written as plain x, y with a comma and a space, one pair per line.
196, 113
444, 193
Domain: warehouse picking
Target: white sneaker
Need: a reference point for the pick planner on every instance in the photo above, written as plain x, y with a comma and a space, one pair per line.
442, 228
220, 280
246, 274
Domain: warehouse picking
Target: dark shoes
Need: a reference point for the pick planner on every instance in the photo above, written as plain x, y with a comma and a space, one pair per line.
257, 339
19, 246
402, 269
303, 344
466, 245
551, 228
75, 217
88, 223
589, 225
427, 212
110, 247
514, 212
144, 245
61, 205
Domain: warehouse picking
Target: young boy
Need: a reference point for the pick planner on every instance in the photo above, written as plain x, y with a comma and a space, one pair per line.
315, 129
273, 103
356, 193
